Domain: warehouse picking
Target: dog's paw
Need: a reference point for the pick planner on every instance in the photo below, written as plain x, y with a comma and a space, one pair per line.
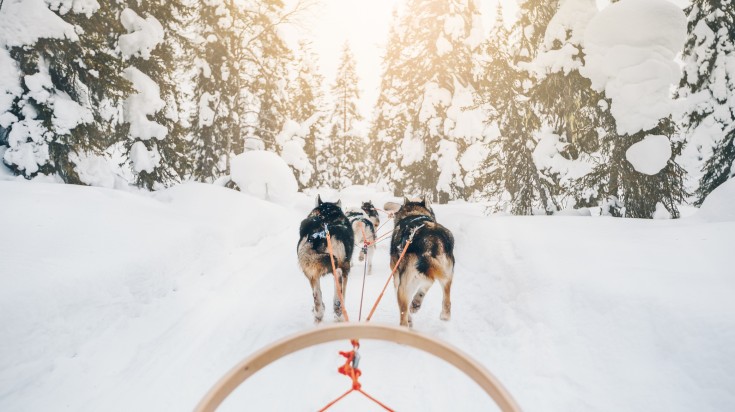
445, 316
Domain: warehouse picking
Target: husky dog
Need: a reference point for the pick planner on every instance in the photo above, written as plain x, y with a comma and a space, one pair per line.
371, 212
365, 222
313, 253
429, 257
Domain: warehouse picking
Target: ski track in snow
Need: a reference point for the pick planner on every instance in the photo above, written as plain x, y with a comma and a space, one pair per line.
565, 311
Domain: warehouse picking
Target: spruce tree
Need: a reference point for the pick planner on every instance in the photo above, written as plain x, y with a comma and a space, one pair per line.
390, 119
157, 145
306, 106
708, 85
514, 180
569, 108
615, 184
71, 86
428, 71
241, 82
346, 146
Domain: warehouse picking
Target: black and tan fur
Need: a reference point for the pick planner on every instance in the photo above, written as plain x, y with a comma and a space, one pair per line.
313, 254
429, 257
365, 221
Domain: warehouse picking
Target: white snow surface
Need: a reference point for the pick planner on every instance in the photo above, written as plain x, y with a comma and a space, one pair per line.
263, 174
650, 155
630, 48
136, 302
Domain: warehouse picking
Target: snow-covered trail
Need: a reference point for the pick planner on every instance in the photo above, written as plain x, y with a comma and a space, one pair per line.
132, 303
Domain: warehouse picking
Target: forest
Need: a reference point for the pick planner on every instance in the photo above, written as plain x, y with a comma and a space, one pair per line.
543, 115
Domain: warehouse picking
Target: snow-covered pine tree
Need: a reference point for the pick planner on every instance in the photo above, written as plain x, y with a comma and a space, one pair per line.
241, 82
265, 60
614, 183
429, 80
708, 84
307, 108
514, 180
346, 145
390, 118
157, 145
569, 108
71, 87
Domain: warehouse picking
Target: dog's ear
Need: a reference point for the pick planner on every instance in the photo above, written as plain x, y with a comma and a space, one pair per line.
426, 202
339, 203
318, 201
391, 207
405, 200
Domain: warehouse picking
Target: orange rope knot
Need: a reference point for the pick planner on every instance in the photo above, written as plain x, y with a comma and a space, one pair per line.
350, 369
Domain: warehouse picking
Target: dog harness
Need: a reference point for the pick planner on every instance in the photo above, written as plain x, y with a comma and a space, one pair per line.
409, 225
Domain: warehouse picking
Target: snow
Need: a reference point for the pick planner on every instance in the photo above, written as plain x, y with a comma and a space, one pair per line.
547, 156
449, 169
413, 148
630, 48
86, 7
566, 27
207, 103
23, 22
264, 175
144, 34
10, 87
143, 159
720, 204
650, 155
139, 106
291, 140
95, 170
146, 310
570, 21
27, 149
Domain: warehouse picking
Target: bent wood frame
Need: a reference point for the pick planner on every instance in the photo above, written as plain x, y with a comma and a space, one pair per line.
345, 331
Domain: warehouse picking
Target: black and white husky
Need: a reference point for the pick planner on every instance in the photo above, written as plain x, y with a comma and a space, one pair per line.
365, 221
429, 257
313, 254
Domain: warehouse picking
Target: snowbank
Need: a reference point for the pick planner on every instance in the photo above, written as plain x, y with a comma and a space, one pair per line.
263, 174
720, 204
630, 48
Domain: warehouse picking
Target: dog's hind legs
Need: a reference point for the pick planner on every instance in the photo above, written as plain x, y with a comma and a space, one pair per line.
402, 294
337, 304
318, 302
418, 298
446, 283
